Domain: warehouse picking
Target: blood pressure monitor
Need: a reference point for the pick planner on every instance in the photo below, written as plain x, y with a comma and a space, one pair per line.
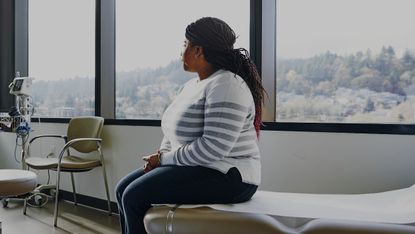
21, 86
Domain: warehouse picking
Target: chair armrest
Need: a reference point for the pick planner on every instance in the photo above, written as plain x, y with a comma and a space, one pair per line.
48, 135
71, 142
65, 138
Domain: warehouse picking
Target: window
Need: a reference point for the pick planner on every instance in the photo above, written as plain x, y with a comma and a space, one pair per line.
344, 66
349, 61
62, 57
149, 40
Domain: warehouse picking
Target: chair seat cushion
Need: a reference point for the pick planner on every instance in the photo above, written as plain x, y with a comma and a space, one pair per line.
68, 162
16, 182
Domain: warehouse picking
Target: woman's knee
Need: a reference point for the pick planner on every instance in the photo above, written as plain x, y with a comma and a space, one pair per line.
119, 189
135, 197
126, 181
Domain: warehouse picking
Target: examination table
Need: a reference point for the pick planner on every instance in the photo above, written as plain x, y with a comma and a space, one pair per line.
276, 212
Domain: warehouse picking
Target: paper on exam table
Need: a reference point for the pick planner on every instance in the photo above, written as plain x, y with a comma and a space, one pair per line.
397, 206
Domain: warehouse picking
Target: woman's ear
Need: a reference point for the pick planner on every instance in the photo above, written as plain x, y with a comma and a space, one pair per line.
198, 52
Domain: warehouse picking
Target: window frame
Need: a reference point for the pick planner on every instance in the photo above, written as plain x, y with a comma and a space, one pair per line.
269, 10
22, 53
262, 35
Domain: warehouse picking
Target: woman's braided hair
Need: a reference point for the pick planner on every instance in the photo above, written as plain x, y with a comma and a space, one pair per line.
217, 39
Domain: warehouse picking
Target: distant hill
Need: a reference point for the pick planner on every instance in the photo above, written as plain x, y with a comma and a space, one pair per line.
135, 90
325, 87
324, 73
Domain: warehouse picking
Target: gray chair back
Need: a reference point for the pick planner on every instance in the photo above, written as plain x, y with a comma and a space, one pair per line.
85, 127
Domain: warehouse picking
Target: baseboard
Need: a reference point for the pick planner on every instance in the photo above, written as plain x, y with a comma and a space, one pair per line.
94, 202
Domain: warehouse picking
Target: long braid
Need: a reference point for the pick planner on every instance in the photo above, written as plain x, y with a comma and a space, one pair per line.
217, 40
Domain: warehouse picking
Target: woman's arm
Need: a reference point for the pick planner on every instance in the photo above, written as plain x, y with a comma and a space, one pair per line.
165, 145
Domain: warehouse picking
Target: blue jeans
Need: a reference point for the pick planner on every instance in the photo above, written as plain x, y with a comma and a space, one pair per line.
176, 185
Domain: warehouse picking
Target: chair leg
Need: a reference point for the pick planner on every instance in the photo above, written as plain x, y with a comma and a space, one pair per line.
73, 189
106, 188
55, 218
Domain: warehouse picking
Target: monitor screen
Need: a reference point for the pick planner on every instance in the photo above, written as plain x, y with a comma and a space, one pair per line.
17, 85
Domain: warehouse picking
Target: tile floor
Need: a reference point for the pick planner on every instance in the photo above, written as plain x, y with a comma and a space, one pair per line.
72, 219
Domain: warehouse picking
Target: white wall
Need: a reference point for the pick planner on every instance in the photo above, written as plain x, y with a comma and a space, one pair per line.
292, 161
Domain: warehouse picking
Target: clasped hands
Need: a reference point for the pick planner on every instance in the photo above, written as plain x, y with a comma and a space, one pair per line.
152, 161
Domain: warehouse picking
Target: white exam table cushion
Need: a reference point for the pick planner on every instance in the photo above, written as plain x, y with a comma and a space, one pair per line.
397, 206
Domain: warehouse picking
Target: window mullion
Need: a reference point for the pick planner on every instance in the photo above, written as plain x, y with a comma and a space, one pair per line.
268, 56
105, 59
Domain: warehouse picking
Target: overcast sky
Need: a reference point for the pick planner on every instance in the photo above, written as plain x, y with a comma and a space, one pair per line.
309, 27
62, 40
150, 33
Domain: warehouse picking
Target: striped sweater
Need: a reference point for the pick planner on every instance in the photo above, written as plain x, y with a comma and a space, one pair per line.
210, 123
